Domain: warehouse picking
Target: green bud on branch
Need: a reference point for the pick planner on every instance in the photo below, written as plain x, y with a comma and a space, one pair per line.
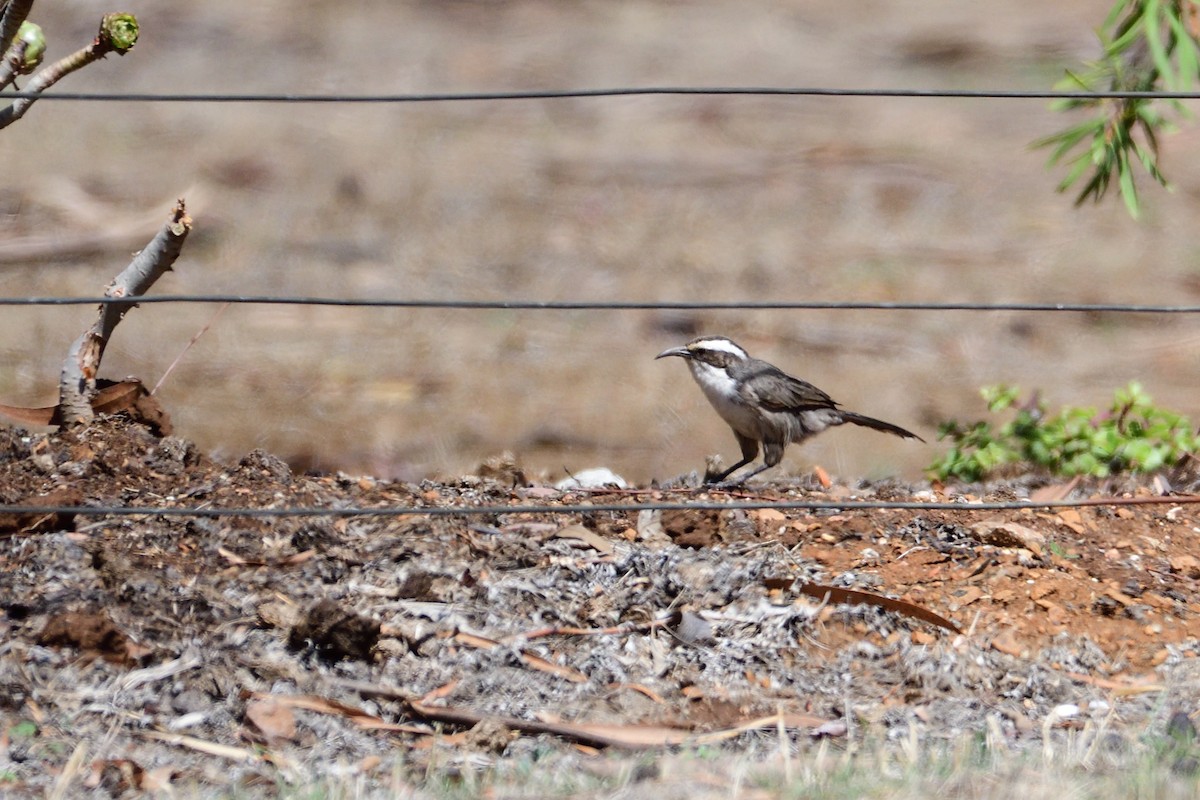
118, 32
35, 45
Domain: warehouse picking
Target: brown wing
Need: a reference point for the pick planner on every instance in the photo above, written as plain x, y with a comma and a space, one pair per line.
775, 390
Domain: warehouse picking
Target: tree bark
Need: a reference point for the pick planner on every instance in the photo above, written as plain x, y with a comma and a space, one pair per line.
77, 384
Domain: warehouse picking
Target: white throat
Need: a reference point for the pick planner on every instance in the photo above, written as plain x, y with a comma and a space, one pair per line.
722, 392
716, 383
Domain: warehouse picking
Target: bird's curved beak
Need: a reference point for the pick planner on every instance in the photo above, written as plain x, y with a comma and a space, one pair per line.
682, 352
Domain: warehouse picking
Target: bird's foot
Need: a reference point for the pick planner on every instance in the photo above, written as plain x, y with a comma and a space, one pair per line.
717, 482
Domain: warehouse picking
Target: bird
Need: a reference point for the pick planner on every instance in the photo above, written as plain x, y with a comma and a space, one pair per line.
763, 404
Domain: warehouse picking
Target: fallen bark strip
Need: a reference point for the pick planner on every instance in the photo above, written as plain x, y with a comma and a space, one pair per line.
128, 396
530, 660
323, 705
630, 737
835, 594
615, 630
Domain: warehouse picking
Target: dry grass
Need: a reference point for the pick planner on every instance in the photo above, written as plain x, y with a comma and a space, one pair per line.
1079, 766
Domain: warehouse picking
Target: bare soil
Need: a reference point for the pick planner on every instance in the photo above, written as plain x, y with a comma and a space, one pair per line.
242, 654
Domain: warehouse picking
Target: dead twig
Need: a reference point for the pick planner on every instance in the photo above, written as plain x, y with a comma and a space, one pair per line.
203, 746
190, 344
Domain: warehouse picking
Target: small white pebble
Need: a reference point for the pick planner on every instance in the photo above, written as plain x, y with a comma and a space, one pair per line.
597, 478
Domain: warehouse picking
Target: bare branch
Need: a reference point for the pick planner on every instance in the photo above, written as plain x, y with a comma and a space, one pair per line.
10, 64
118, 34
77, 383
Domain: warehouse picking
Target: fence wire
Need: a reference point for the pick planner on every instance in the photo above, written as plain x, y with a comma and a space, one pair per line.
604, 305
624, 91
596, 508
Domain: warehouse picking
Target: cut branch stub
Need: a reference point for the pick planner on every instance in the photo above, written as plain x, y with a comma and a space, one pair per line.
77, 384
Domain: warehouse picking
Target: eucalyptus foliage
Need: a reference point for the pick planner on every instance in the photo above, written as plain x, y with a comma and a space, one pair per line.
1148, 46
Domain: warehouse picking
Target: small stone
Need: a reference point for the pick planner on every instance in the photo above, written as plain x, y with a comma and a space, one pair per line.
596, 478
1006, 643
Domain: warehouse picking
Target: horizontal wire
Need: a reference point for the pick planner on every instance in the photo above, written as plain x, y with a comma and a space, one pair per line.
630, 91
605, 305
588, 508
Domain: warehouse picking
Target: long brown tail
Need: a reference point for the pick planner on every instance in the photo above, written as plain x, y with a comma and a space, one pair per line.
879, 425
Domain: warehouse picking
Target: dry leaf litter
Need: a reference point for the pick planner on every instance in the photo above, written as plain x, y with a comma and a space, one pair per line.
235, 653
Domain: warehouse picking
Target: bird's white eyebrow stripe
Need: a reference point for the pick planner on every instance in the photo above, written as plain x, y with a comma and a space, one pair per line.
723, 345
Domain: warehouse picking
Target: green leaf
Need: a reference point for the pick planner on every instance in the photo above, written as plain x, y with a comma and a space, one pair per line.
1137, 452
1114, 14
1081, 166
1158, 49
1186, 52
1070, 138
1128, 189
1149, 163
1095, 188
1000, 396
1126, 38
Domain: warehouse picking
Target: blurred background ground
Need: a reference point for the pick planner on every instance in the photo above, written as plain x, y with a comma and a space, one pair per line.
651, 198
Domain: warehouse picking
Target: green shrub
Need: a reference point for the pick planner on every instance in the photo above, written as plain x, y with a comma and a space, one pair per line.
1132, 436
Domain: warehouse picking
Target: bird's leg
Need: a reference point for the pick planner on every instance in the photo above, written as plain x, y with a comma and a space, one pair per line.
772, 455
739, 481
719, 478
749, 452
